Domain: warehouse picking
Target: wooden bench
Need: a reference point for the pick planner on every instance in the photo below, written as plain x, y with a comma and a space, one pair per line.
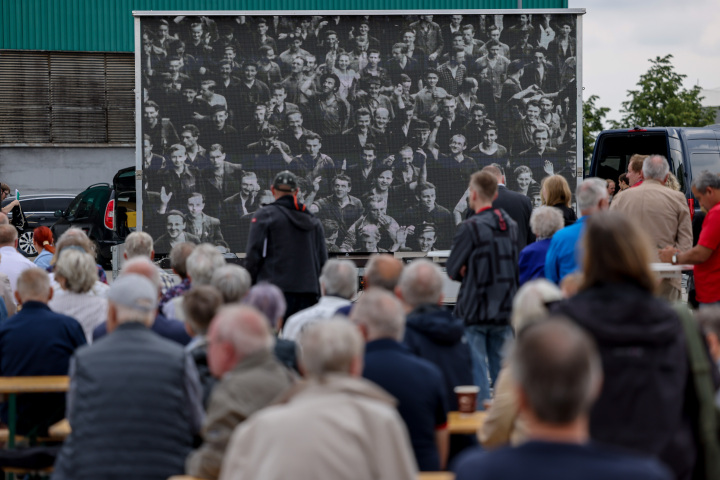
12, 386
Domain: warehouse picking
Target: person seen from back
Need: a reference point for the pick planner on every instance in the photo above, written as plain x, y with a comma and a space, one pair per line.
333, 425
36, 342
250, 377
416, 383
557, 374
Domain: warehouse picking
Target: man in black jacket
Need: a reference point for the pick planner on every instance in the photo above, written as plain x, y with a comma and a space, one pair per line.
516, 205
484, 257
286, 246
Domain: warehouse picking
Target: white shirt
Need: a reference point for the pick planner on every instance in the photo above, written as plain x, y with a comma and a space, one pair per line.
88, 309
323, 310
12, 264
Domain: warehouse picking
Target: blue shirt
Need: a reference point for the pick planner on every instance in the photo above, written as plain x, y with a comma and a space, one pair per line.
37, 341
556, 461
418, 387
562, 256
532, 261
43, 259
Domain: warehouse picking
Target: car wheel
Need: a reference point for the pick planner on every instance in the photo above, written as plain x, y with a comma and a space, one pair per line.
25, 244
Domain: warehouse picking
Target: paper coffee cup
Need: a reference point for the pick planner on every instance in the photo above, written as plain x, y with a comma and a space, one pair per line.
467, 398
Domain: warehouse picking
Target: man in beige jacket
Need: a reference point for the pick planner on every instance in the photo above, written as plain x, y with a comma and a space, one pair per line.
240, 353
661, 212
335, 425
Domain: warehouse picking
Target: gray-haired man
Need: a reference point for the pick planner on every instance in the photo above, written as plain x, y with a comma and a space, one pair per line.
134, 395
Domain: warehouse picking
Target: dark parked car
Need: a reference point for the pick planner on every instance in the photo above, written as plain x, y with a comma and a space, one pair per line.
105, 212
39, 210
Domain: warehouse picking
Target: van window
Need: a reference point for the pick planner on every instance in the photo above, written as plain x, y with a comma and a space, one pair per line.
702, 161
678, 168
614, 151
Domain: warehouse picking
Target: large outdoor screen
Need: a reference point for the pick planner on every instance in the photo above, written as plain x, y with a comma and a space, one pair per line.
382, 118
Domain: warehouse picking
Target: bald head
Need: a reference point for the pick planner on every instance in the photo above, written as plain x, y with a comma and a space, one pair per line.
4, 220
383, 271
8, 236
237, 332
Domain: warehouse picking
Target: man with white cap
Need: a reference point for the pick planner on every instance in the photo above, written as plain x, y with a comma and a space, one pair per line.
134, 402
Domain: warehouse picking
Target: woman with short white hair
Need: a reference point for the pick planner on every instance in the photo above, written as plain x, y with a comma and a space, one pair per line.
76, 273
544, 222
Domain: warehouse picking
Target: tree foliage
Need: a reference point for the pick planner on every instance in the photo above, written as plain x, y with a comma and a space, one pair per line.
593, 117
662, 101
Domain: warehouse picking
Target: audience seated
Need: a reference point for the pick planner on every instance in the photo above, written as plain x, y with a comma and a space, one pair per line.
204, 260
333, 425
240, 355
37, 341
558, 373
76, 238
381, 271
76, 273
200, 305
432, 332
140, 244
13, 262
178, 263
270, 300
163, 326
134, 402
416, 383
232, 281
338, 285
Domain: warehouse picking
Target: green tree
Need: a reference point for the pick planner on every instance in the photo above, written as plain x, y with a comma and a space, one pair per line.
662, 101
593, 117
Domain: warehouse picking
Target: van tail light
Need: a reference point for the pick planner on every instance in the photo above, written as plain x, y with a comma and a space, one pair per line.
110, 215
691, 204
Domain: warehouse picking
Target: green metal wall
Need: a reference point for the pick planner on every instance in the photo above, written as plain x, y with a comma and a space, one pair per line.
107, 25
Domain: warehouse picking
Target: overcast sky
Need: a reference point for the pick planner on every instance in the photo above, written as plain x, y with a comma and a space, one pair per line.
619, 36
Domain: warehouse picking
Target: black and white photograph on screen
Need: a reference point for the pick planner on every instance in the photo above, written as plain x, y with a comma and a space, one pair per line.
383, 119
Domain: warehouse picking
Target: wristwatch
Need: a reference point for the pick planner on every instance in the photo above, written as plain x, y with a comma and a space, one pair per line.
674, 259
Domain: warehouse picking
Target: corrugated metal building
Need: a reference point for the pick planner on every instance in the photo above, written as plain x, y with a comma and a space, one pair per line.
67, 80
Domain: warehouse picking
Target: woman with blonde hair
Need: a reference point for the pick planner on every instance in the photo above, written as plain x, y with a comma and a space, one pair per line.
641, 342
76, 273
556, 193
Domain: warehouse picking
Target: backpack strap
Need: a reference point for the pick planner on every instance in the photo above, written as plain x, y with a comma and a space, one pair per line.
706, 417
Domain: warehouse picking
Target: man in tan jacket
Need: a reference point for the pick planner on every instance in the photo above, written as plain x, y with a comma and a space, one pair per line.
334, 425
240, 353
661, 212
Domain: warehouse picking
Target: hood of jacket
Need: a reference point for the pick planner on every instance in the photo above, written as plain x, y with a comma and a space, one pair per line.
622, 314
437, 324
295, 212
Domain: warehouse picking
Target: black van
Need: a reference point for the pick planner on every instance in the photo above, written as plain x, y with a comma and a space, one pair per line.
688, 150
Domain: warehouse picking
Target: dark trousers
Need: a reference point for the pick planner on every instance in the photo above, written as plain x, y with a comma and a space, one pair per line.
298, 301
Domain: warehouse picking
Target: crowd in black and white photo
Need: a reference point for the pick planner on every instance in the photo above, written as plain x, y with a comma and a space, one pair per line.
382, 118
